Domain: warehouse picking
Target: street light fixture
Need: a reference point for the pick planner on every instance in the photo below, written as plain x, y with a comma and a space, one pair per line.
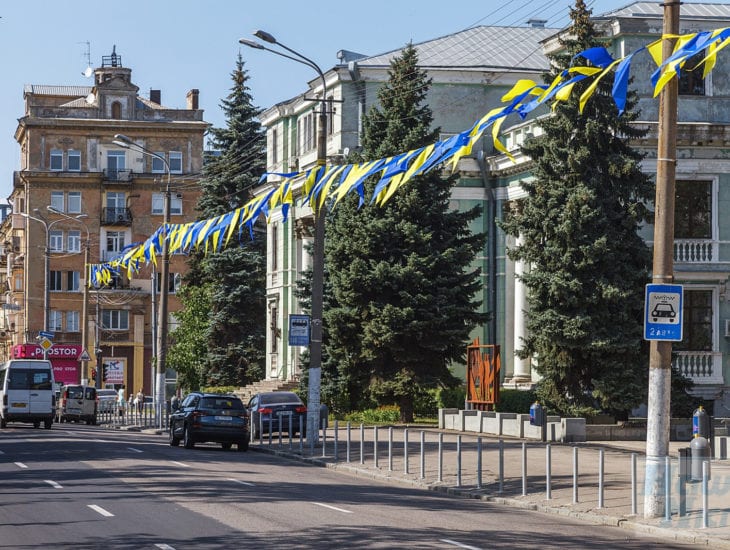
85, 307
126, 143
315, 344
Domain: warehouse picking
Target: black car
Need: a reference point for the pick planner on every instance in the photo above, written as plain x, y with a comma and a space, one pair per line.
274, 409
212, 417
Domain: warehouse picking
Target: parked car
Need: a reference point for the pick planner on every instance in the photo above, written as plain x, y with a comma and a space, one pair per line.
273, 410
77, 403
107, 400
212, 417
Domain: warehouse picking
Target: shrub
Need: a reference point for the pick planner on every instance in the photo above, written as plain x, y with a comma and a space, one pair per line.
516, 401
386, 414
426, 403
218, 389
451, 398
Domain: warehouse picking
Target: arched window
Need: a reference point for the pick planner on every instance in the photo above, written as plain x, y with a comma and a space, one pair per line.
116, 110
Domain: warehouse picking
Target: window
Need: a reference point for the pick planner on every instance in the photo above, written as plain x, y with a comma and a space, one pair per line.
691, 81
697, 316
115, 319
72, 321
55, 320
74, 160
306, 130
114, 242
72, 281
55, 281
57, 201
74, 241
330, 116
175, 162
693, 210
274, 150
116, 207
158, 204
115, 161
273, 332
173, 283
56, 241
56, 160
116, 110
274, 247
74, 202
158, 165
19, 281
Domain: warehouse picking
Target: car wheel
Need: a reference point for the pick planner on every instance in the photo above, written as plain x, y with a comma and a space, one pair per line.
243, 446
174, 441
188, 439
226, 446
37, 424
48, 423
3, 423
93, 420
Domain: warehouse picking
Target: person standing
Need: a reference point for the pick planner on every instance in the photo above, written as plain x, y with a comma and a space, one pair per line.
121, 402
140, 400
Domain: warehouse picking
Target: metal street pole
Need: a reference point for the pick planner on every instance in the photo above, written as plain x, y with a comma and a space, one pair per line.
320, 212
127, 143
660, 352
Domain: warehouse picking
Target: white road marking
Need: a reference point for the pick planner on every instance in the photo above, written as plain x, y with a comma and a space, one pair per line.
333, 508
135, 450
20, 465
100, 510
164, 547
53, 484
241, 482
180, 464
454, 543
2, 453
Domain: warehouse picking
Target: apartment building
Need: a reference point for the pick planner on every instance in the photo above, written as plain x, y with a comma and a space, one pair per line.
77, 194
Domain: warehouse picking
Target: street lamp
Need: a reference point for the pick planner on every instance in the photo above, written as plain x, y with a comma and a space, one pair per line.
85, 306
126, 143
47, 259
315, 344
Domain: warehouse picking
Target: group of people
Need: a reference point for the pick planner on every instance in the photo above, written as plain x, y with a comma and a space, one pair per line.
135, 400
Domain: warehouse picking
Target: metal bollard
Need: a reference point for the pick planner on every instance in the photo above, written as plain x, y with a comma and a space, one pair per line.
347, 458
634, 484
375, 446
280, 434
667, 488
301, 434
458, 461
441, 458
324, 442
479, 462
405, 451
291, 427
501, 466
600, 478
337, 428
270, 430
390, 449
575, 475
705, 477
524, 469
548, 472
362, 444
423, 454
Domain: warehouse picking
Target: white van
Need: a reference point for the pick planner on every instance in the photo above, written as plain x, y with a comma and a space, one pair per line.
26, 392
76, 403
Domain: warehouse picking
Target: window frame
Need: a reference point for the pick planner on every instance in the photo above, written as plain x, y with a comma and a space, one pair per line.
55, 320
55, 157
73, 154
73, 240
58, 201
73, 281
115, 319
55, 281
73, 199
73, 321
160, 168
55, 240
173, 158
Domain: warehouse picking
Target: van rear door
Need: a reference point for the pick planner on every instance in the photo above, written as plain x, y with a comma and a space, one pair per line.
41, 390
18, 391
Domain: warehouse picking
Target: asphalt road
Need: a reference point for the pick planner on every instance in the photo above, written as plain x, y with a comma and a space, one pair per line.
83, 487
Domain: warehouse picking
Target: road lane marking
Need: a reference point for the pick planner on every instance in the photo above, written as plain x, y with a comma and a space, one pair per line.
241, 482
164, 547
53, 484
20, 465
135, 450
180, 464
454, 543
2, 453
335, 508
100, 510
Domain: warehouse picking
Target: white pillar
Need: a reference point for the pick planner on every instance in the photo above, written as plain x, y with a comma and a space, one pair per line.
521, 373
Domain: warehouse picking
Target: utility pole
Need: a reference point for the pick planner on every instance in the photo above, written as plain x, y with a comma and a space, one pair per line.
85, 317
660, 352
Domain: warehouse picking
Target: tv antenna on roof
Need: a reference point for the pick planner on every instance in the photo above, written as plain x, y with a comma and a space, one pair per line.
89, 71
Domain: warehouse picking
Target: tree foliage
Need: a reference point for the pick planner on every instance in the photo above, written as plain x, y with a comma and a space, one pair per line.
403, 285
234, 277
587, 264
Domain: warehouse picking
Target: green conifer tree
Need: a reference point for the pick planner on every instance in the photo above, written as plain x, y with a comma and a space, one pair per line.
587, 264
236, 275
401, 276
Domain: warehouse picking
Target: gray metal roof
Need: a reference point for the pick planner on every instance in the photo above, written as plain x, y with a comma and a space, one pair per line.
478, 47
45, 89
688, 10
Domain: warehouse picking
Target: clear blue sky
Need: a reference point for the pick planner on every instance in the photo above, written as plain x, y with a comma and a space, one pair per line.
176, 45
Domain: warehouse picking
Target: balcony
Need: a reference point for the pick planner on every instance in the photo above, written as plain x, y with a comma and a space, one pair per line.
118, 176
695, 251
703, 367
116, 216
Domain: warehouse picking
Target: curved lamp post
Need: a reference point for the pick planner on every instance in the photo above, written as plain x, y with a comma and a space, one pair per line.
315, 344
161, 352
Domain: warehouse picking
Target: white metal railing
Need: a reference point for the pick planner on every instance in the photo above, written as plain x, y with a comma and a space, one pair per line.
703, 367
695, 251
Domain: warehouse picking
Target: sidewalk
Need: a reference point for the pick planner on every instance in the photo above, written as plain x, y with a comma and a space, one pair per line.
580, 501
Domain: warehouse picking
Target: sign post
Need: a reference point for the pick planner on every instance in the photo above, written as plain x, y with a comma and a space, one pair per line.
663, 312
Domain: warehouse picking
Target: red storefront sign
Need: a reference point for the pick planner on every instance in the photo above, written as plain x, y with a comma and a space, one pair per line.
63, 357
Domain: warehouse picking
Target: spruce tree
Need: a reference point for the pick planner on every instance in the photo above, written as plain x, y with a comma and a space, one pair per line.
587, 264
402, 277
235, 275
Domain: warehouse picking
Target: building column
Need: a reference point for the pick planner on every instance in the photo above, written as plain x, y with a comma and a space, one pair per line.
521, 372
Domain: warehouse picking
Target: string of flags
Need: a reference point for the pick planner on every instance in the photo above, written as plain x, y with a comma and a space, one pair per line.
331, 183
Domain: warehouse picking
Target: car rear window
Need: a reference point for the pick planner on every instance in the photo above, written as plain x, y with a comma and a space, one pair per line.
225, 403
107, 393
280, 398
76, 393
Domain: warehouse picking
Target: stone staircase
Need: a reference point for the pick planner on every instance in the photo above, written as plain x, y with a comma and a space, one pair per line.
247, 392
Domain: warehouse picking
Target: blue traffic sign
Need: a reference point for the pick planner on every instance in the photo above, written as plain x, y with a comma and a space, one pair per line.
46, 334
299, 330
663, 312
